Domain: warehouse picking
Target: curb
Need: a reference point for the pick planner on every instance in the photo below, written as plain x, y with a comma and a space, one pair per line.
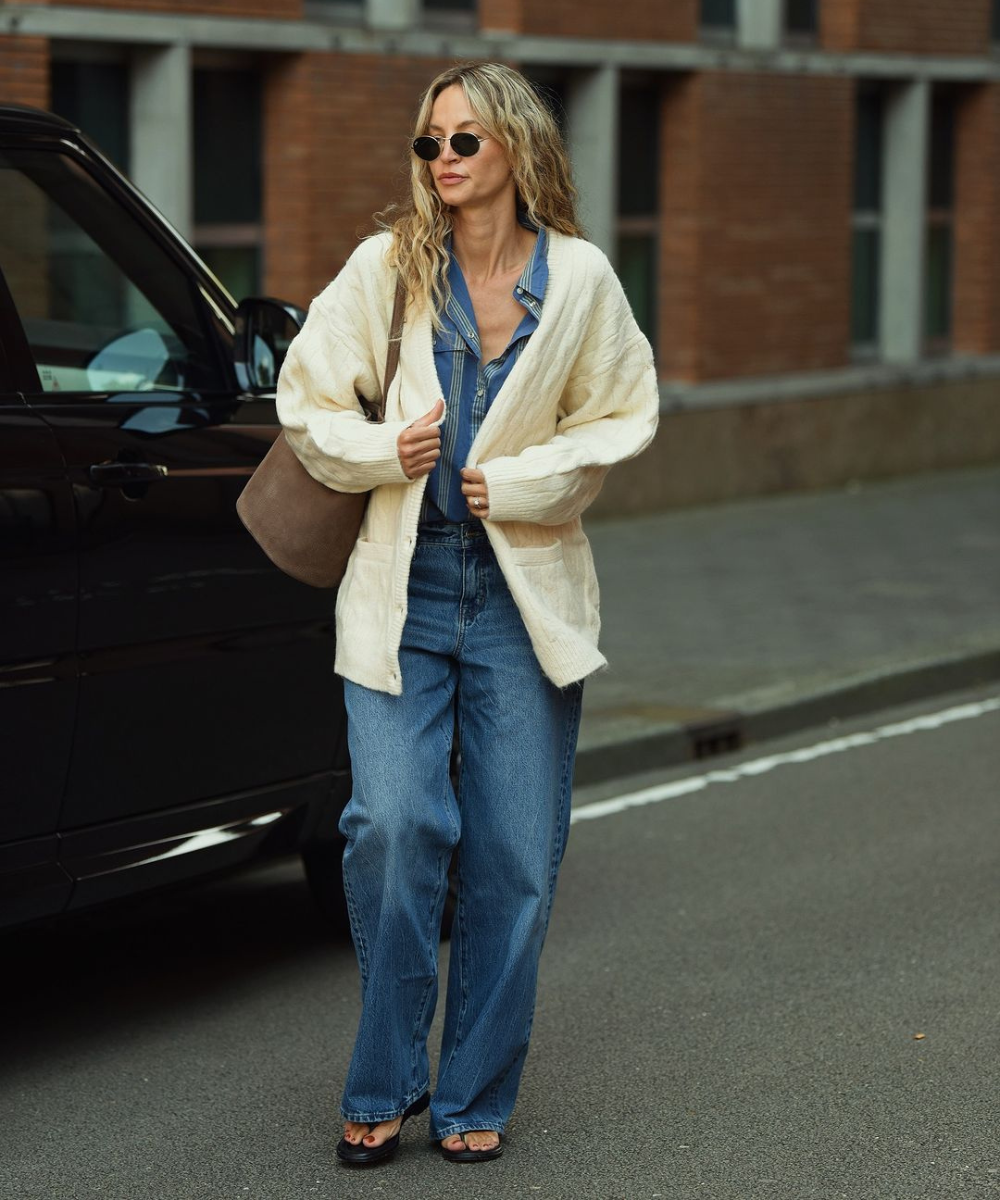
732, 729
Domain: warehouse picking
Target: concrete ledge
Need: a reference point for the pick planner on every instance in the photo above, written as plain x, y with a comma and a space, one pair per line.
805, 385
717, 450
676, 744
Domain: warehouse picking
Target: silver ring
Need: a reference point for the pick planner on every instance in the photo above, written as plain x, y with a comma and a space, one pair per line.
477, 503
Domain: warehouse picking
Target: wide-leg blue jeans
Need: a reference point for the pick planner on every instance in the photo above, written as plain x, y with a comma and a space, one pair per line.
465, 656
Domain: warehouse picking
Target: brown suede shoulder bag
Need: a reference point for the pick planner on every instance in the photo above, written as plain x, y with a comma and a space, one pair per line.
305, 528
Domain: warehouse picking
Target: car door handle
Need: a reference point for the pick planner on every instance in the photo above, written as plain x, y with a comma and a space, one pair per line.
115, 474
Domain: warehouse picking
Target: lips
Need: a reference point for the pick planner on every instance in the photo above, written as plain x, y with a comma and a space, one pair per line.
451, 178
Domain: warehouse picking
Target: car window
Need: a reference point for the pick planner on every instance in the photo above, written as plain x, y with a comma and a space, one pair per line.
104, 307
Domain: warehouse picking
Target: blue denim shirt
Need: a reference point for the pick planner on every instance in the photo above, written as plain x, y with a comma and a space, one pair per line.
469, 387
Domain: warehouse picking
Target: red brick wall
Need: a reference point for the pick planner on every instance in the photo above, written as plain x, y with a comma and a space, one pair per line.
214, 8
976, 326
336, 151
906, 26
679, 298
637, 20
755, 260
506, 15
24, 71
288, 164
840, 25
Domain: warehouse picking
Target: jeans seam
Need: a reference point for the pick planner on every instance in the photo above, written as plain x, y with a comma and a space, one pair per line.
460, 631
419, 1022
483, 590
565, 787
354, 919
432, 951
494, 1095
459, 920
460, 912
558, 849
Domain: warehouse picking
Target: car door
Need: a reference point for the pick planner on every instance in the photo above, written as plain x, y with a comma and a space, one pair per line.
205, 675
38, 679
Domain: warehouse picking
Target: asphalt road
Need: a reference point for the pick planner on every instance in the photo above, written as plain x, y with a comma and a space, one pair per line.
777, 980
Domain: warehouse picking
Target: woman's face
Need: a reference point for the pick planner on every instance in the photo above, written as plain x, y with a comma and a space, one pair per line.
483, 179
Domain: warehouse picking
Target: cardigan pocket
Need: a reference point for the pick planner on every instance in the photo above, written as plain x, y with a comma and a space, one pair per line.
362, 598
537, 556
550, 588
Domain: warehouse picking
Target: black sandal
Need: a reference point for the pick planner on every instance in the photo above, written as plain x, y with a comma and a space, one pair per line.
465, 1155
366, 1156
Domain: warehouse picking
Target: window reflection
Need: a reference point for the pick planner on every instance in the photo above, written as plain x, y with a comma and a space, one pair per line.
104, 308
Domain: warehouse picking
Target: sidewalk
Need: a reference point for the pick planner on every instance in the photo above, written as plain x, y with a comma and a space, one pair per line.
731, 624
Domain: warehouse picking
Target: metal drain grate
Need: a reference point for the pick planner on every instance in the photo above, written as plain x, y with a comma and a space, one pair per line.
721, 735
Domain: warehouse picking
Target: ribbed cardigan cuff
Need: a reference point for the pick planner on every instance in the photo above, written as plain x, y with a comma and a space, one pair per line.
517, 494
371, 457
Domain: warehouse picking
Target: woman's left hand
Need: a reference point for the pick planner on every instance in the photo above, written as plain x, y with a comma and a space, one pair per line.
475, 493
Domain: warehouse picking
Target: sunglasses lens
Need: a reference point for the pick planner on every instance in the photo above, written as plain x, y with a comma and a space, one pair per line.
427, 148
465, 144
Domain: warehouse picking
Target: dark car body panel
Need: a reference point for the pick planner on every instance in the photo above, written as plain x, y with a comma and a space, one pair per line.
167, 698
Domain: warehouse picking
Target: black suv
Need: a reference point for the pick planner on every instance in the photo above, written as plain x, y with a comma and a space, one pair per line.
167, 699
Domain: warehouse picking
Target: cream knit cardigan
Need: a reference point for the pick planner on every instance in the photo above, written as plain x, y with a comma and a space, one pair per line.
582, 396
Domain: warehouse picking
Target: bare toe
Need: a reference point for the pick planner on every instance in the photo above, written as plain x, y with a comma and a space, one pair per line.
454, 1142
382, 1133
354, 1131
487, 1139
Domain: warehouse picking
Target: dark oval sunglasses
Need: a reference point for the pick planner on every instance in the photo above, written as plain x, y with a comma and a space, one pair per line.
429, 147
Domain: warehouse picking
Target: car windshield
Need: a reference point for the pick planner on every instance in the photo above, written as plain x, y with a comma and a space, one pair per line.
104, 307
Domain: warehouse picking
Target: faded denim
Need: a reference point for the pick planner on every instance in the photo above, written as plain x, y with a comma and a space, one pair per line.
465, 656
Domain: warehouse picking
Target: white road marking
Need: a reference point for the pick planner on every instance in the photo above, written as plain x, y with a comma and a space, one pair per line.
759, 766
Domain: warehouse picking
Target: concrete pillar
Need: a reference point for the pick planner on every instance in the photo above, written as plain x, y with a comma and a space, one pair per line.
592, 118
759, 24
904, 212
161, 147
392, 14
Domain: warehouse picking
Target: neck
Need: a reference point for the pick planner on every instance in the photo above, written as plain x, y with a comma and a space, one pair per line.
489, 243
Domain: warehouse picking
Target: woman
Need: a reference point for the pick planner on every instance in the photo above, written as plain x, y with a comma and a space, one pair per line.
470, 595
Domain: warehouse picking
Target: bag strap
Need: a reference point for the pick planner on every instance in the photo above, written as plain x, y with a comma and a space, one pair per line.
392, 354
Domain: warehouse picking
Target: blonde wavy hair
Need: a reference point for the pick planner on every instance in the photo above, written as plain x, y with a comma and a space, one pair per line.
510, 111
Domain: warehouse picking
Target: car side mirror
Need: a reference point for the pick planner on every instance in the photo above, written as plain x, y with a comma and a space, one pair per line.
264, 331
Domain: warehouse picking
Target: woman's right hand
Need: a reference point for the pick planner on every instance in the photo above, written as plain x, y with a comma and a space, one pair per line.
419, 445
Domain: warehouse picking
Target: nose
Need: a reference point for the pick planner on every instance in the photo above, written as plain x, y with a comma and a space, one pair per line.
448, 155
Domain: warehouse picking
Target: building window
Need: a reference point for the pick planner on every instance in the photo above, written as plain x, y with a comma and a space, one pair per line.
552, 88
866, 222
451, 14
801, 19
639, 201
337, 12
717, 20
940, 222
95, 97
228, 231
